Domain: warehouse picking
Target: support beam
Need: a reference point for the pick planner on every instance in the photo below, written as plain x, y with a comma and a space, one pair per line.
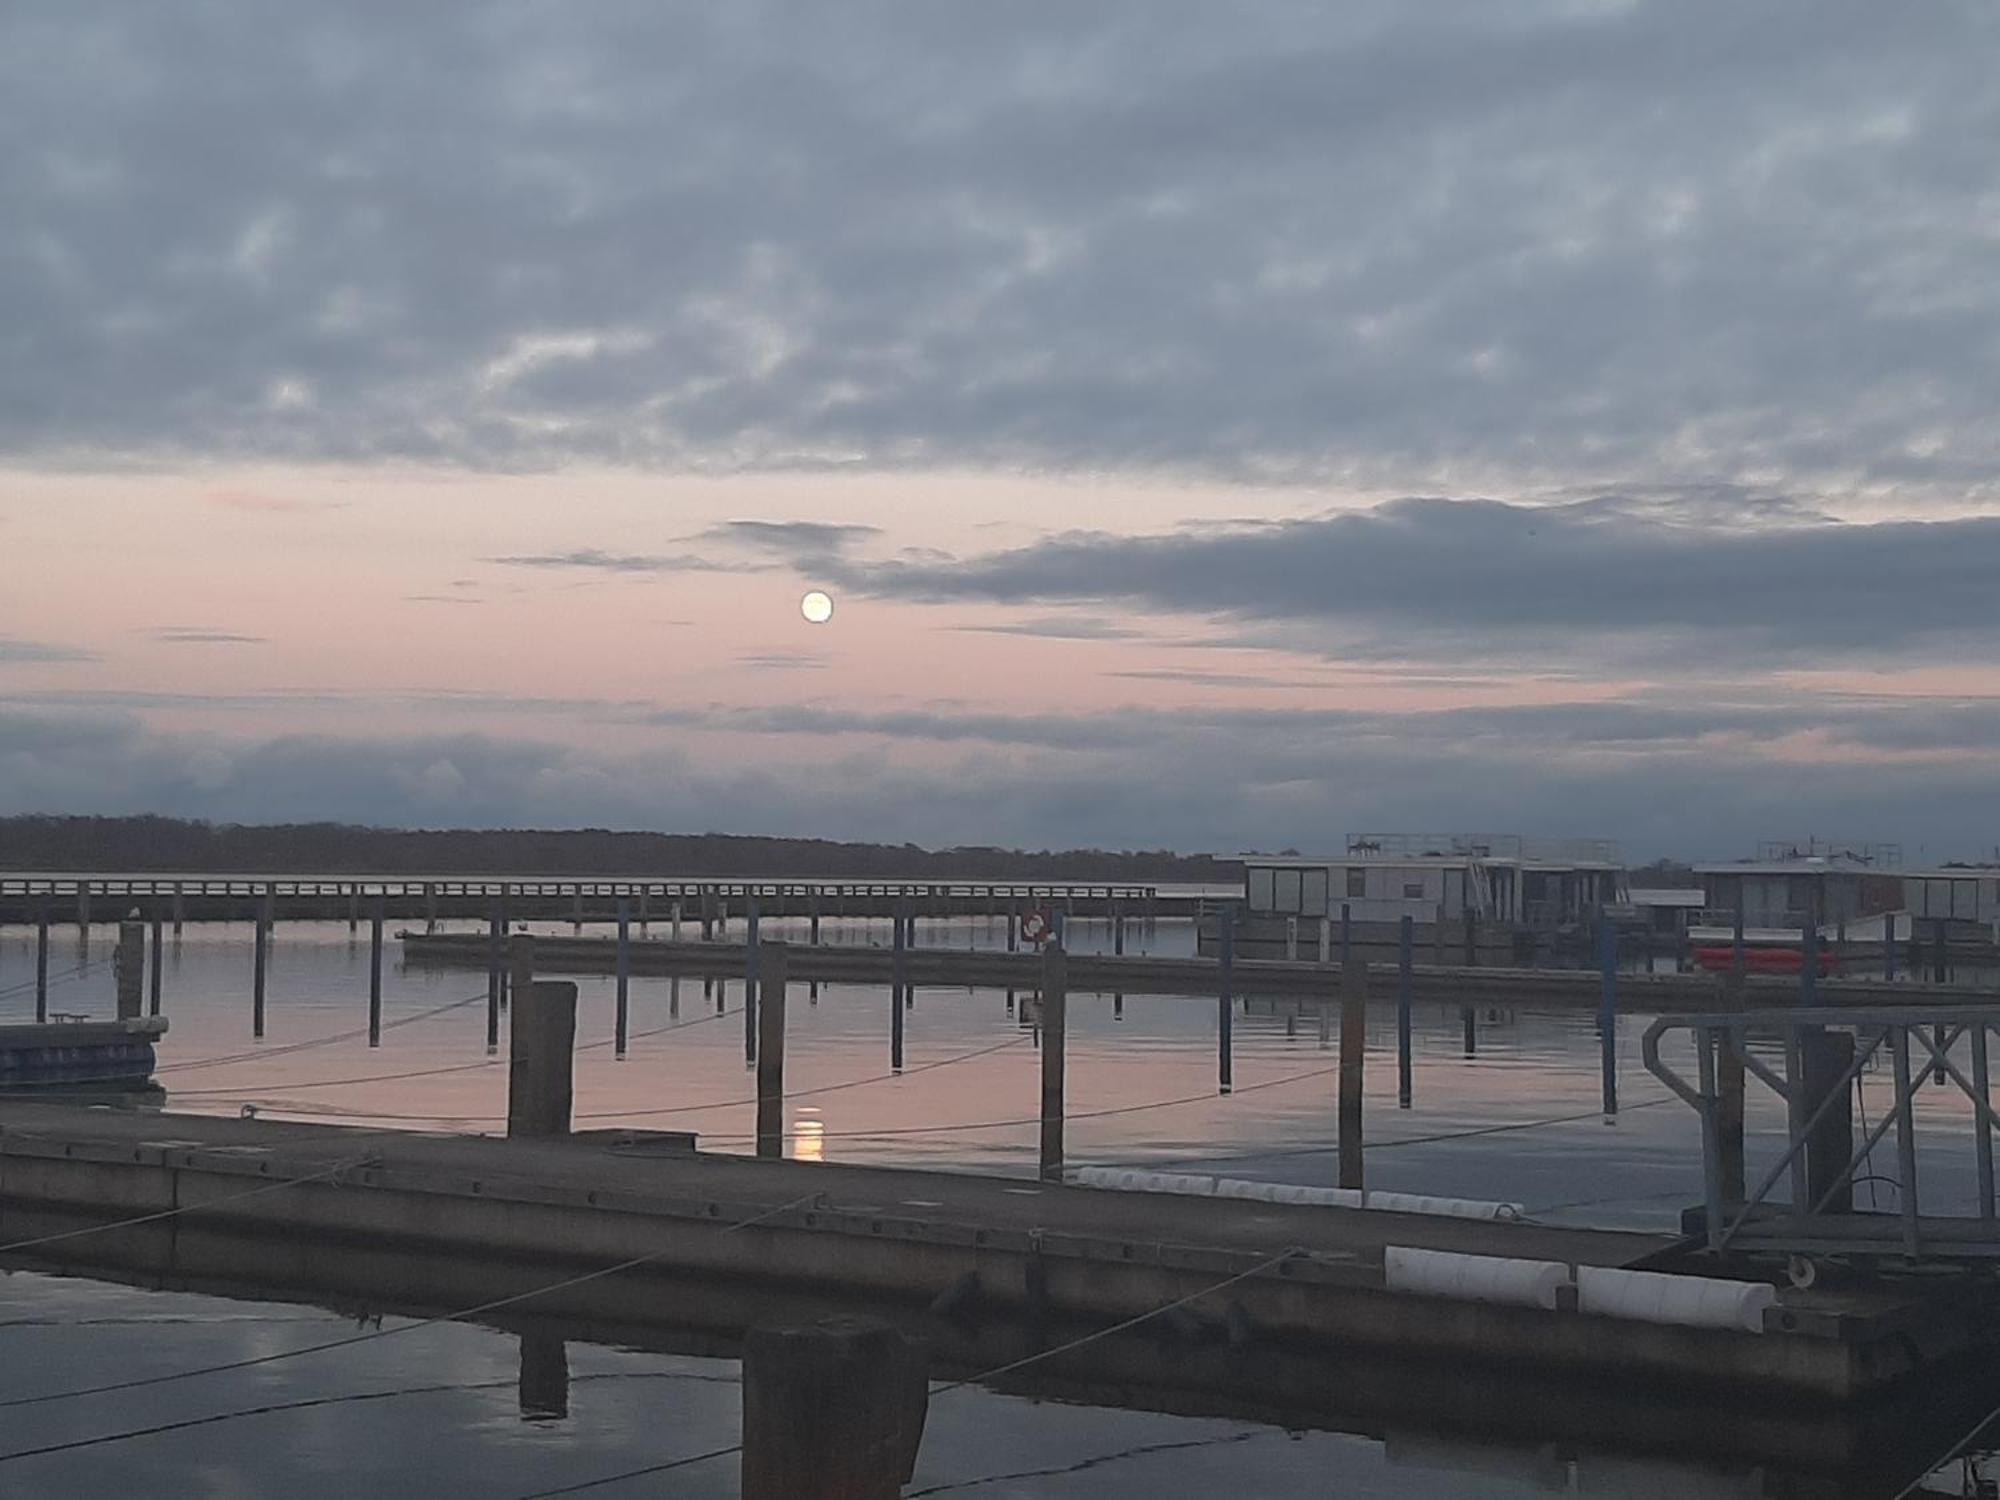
540, 1061
771, 977
1353, 1058
1055, 1030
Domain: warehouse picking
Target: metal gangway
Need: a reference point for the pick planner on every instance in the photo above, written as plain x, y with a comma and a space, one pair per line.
1820, 1051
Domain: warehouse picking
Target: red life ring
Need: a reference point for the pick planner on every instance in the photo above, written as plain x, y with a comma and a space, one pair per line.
1035, 926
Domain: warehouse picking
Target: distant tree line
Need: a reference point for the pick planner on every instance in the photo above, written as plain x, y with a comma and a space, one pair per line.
153, 843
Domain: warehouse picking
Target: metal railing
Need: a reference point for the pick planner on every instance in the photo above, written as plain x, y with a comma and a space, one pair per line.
1821, 1171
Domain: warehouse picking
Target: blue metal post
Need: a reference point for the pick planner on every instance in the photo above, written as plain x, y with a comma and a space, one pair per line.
620, 1025
1404, 1063
1607, 1009
1225, 1005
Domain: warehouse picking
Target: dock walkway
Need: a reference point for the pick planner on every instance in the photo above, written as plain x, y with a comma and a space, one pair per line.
1303, 1277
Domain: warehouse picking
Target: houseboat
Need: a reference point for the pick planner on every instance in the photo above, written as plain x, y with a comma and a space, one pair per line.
1471, 898
1845, 893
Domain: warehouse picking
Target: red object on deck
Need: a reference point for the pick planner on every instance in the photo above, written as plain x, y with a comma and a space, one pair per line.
1761, 959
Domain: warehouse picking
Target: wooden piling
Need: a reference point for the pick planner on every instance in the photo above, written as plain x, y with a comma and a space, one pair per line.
1353, 1057
1729, 1075
83, 908
1225, 1001
1405, 982
832, 1410
542, 1393
1889, 945
750, 944
262, 948
42, 959
130, 968
771, 976
621, 1023
180, 909
430, 906
1826, 1057
375, 972
540, 1060
157, 968
1346, 932
898, 964
1055, 1029
1607, 1010
495, 935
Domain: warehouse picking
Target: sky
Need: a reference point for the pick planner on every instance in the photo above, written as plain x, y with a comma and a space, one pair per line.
1222, 425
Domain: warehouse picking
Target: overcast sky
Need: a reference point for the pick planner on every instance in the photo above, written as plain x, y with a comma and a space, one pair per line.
1219, 424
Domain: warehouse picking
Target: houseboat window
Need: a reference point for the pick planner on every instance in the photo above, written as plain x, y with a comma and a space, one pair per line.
1314, 904
1413, 890
1357, 881
1288, 891
1260, 890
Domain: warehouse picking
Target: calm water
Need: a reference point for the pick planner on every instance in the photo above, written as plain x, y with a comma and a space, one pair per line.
435, 1411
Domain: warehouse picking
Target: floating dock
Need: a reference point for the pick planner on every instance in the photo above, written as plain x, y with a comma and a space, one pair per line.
962, 968
54, 1053
1306, 1279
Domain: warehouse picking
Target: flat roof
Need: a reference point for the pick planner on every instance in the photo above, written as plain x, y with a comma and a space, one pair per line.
1811, 866
1376, 857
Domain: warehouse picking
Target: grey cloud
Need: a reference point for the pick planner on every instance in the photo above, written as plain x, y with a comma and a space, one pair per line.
176, 636
1527, 241
782, 661
791, 539
592, 558
13, 649
1572, 582
1060, 628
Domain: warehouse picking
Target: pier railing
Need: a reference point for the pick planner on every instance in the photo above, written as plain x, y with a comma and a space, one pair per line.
1821, 1052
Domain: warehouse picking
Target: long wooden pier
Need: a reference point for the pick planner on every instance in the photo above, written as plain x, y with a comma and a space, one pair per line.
187, 896
1139, 974
160, 1188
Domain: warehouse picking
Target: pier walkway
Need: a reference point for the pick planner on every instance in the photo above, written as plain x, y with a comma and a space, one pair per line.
85, 1186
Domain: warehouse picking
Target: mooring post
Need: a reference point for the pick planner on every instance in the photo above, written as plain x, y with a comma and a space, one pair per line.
1055, 1031
1729, 1082
430, 906
353, 907
750, 936
1013, 925
1118, 929
621, 1024
542, 1393
158, 966
1809, 962
130, 967
1888, 945
83, 908
1225, 1000
494, 935
42, 959
1405, 1080
832, 1410
375, 971
1346, 932
645, 906
1468, 1024
1940, 967
674, 997
707, 914
812, 916
576, 907
1826, 1057
896, 965
261, 919
1607, 1009
771, 975
541, 1045
1353, 1059
180, 908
